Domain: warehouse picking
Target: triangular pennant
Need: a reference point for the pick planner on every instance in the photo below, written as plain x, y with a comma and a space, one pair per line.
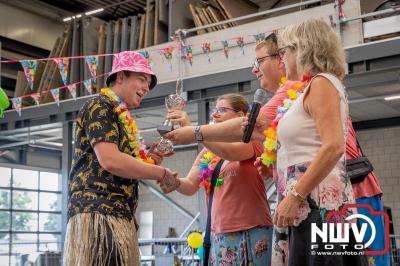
225, 47
145, 55
93, 62
72, 90
88, 85
62, 64
29, 70
240, 43
35, 97
17, 104
207, 50
259, 37
188, 53
56, 95
166, 53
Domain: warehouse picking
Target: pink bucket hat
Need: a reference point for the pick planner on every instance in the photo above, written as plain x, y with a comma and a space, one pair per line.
132, 61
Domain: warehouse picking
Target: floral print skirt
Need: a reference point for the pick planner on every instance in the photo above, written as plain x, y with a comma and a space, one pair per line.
292, 245
244, 248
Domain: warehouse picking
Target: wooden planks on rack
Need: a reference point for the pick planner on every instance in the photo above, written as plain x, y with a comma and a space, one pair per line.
141, 31
149, 25
196, 19
237, 8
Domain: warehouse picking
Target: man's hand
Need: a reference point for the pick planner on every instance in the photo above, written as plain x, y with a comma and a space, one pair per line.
263, 170
183, 135
262, 123
178, 116
170, 181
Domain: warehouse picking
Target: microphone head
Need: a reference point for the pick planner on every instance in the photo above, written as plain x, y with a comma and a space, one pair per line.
260, 96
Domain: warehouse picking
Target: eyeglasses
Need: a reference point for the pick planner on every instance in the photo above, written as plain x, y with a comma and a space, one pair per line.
223, 110
258, 61
281, 51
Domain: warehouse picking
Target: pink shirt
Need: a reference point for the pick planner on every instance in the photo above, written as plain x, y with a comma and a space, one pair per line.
370, 186
241, 202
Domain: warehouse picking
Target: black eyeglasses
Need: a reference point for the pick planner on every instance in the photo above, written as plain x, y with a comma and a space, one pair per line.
258, 61
222, 110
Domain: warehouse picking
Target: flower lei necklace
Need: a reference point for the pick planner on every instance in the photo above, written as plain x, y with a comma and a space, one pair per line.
206, 171
268, 157
130, 126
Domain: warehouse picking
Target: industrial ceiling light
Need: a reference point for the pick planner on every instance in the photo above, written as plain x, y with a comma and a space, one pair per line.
86, 13
391, 98
94, 11
97, 10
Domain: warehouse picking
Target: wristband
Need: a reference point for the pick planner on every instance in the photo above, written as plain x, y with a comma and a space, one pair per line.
296, 194
198, 136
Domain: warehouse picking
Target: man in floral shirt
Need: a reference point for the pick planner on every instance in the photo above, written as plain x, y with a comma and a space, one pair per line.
106, 167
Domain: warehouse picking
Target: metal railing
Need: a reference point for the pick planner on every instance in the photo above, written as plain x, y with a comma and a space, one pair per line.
394, 250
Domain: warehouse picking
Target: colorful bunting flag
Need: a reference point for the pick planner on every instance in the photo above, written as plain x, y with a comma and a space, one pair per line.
167, 54
72, 90
62, 64
259, 37
240, 43
17, 104
145, 55
35, 97
93, 62
56, 95
88, 85
225, 47
207, 50
188, 53
30, 70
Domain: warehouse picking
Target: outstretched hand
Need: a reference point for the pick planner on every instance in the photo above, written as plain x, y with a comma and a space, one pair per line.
170, 181
183, 135
179, 117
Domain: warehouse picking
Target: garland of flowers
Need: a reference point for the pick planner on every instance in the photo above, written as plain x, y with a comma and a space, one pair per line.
206, 171
130, 126
268, 157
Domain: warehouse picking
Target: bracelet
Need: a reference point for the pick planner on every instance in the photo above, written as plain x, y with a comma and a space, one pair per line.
297, 195
198, 136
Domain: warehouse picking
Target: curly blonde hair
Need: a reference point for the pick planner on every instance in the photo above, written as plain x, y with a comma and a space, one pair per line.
319, 48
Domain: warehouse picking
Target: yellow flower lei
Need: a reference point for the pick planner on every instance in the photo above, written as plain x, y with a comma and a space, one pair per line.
268, 157
130, 126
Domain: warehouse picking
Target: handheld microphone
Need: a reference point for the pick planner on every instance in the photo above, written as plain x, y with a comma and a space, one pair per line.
259, 98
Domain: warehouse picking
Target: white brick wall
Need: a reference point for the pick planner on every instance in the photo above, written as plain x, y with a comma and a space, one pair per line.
382, 146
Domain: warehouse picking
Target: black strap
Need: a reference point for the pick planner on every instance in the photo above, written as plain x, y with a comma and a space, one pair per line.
207, 241
359, 147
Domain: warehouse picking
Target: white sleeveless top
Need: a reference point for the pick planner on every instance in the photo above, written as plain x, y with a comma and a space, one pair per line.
298, 144
299, 140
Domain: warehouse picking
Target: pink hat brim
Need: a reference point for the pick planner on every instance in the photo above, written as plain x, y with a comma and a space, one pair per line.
136, 69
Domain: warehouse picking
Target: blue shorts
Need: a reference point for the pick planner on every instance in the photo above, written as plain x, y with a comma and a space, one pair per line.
379, 242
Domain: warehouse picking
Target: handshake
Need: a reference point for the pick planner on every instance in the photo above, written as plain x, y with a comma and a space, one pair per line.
169, 181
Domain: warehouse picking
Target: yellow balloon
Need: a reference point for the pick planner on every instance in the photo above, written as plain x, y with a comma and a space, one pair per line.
195, 240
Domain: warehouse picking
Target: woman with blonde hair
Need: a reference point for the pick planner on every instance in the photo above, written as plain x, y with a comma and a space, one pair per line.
241, 221
311, 133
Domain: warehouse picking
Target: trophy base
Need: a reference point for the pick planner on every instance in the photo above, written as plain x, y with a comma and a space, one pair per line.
164, 129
